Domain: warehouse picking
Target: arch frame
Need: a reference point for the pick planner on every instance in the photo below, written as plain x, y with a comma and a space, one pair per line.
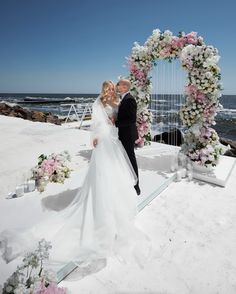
202, 90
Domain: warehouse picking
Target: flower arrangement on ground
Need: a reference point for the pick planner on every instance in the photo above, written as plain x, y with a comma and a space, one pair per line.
52, 168
31, 277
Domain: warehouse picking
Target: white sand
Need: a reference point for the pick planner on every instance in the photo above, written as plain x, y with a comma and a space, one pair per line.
192, 225
23, 141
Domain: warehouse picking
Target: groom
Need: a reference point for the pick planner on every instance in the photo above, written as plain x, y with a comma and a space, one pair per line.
126, 123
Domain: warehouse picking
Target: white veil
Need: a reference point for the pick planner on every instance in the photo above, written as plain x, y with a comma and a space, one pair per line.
100, 219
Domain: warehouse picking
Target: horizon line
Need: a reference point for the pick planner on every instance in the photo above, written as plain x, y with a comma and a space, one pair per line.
1, 93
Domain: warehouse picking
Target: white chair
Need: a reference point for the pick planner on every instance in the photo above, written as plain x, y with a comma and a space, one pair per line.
79, 110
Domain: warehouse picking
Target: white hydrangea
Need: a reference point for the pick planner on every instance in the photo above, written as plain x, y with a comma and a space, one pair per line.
21, 289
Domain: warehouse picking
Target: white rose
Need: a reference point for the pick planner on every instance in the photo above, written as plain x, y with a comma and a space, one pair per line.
9, 289
167, 33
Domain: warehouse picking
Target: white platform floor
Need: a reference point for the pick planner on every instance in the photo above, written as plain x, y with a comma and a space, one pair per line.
220, 174
154, 163
191, 224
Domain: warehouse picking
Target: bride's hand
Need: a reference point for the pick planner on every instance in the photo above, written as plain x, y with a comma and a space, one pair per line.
112, 120
95, 142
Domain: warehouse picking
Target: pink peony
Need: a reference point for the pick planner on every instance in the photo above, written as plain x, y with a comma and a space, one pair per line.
206, 132
209, 112
165, 52
200, 97
194, 93
140, 142
140, 75
49, 166
192, 38
51, 289
178, 42
190, 90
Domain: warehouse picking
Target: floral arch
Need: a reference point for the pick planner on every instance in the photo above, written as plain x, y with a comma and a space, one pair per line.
202, 90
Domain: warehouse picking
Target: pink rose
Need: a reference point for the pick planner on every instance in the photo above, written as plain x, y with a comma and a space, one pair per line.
194, 93
178, 42
165, 52
141, 142
51, 289
192, 38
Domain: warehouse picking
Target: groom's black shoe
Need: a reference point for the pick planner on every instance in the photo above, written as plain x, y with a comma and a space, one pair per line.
138, 191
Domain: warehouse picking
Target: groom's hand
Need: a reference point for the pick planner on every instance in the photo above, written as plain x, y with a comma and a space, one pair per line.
95, 142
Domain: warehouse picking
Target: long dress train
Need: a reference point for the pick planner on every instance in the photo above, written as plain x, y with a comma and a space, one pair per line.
100, 220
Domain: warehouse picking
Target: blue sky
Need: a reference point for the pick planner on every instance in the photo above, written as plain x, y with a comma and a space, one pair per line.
68, 46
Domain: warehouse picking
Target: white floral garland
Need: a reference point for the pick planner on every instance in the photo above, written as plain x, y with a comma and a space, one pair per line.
30, 276
202, 91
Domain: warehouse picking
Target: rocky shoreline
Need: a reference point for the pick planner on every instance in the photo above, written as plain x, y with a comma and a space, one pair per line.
32, 115
232, 151
18, 111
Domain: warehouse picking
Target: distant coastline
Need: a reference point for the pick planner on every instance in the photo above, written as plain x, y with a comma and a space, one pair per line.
50, 102
223, 127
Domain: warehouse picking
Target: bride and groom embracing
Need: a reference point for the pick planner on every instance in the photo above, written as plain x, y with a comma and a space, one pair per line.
100, 220
123, 115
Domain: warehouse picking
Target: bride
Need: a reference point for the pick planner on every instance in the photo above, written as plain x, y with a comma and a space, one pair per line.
99, 222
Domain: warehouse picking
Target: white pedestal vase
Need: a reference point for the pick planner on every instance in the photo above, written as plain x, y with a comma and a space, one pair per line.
202, 168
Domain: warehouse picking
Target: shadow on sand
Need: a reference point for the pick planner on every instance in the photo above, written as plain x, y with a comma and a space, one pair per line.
59, 201
85, 154
154, 164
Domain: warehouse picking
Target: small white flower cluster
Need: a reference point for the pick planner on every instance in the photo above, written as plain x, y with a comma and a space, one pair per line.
197, 113
141, 56
191, 114
202, 145
201, 63
30, 277
145, 114
203, 92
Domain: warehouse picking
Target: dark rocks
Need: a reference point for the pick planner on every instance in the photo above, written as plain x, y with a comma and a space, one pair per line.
17, 111
232, 151
38, 116
174, 137
5, 109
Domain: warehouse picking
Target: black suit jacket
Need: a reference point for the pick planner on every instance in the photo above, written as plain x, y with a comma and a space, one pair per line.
126, 119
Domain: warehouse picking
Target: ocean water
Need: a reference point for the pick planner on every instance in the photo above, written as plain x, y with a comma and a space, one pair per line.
164, 108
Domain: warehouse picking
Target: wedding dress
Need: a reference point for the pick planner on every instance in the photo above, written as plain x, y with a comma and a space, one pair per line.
100, 220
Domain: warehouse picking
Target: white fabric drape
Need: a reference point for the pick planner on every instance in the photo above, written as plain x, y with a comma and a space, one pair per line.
100, 220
